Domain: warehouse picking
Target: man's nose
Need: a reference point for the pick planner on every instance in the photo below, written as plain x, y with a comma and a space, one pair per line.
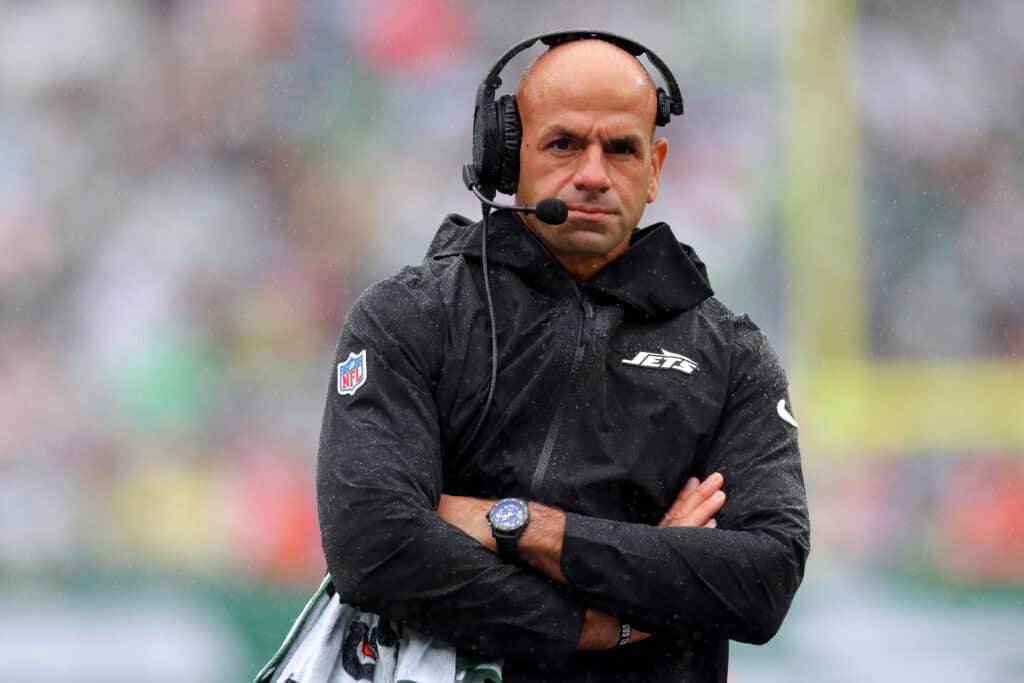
591, 172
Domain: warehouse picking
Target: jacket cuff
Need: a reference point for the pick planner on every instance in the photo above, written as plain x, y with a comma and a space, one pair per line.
587, 542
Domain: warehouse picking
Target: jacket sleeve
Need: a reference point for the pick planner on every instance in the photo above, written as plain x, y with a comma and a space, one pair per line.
735, 581
379, 482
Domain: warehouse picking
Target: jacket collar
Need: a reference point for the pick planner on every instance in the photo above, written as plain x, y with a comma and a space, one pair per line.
656, 276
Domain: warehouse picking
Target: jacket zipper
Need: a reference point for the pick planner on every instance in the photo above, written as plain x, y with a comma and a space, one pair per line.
551, 438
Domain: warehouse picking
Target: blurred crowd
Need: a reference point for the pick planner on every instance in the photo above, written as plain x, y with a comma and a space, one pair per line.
941, 96
192, 192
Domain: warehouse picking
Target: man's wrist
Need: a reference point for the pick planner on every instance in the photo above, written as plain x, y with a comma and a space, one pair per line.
470, 516
540, 546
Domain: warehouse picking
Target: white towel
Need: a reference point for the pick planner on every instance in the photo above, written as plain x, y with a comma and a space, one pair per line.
339, 643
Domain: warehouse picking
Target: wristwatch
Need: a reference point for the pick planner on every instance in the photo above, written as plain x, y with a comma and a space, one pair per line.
508, 519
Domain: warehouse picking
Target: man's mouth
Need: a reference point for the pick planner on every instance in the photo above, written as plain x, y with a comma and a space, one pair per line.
589, 211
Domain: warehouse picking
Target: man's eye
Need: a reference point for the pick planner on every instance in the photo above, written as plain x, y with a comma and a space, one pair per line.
562, 144
621, 148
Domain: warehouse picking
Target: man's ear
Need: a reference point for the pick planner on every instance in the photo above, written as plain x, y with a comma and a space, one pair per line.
659, 150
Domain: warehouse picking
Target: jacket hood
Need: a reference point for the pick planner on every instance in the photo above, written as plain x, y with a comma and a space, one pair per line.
656, 276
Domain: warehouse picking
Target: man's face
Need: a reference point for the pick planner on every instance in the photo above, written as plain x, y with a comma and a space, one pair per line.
588, 112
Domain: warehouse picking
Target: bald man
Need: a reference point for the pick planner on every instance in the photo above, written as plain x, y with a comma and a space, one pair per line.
634, 498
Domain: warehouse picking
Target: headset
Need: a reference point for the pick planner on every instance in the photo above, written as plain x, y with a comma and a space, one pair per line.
498, 131
497, 135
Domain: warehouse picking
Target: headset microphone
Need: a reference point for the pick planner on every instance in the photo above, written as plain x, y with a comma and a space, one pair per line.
551, 211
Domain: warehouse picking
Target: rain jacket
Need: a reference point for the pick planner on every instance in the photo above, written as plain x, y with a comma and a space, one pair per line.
610, 394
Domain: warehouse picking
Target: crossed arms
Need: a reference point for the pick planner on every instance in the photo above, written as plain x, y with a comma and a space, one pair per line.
541, 543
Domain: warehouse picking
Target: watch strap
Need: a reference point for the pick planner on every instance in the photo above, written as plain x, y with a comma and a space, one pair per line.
508, 548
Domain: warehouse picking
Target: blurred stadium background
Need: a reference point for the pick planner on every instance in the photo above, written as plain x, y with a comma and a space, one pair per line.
192, 193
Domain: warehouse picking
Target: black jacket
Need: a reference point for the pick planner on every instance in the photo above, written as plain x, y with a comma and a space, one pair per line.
574, 426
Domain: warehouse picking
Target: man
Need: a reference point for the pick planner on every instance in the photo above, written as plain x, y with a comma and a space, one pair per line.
627, 399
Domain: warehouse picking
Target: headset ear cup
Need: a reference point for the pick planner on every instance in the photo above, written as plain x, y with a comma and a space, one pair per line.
510, 136
664, 108
486, 149
478, 140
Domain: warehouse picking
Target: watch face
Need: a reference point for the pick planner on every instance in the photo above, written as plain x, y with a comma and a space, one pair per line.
508, 515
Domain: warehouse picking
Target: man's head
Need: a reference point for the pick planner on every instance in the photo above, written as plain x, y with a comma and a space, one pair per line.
588, 110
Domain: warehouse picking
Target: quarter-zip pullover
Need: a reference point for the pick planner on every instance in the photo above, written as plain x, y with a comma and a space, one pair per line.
610, 394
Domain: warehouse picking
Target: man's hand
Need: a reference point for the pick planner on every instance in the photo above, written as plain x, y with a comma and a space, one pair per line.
697, 503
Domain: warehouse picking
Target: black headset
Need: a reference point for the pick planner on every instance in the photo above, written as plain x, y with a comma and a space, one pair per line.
498, 131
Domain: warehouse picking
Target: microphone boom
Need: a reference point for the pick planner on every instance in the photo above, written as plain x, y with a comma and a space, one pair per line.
551, 211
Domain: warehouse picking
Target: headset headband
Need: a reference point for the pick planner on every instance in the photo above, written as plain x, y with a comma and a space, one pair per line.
497, 128
493, 81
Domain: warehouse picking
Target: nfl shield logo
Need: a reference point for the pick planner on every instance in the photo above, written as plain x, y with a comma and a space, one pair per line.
352, 373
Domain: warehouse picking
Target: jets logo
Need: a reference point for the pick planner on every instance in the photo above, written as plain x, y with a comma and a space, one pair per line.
666, 360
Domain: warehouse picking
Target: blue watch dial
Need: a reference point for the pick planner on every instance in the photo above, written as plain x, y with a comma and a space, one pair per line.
509, 515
